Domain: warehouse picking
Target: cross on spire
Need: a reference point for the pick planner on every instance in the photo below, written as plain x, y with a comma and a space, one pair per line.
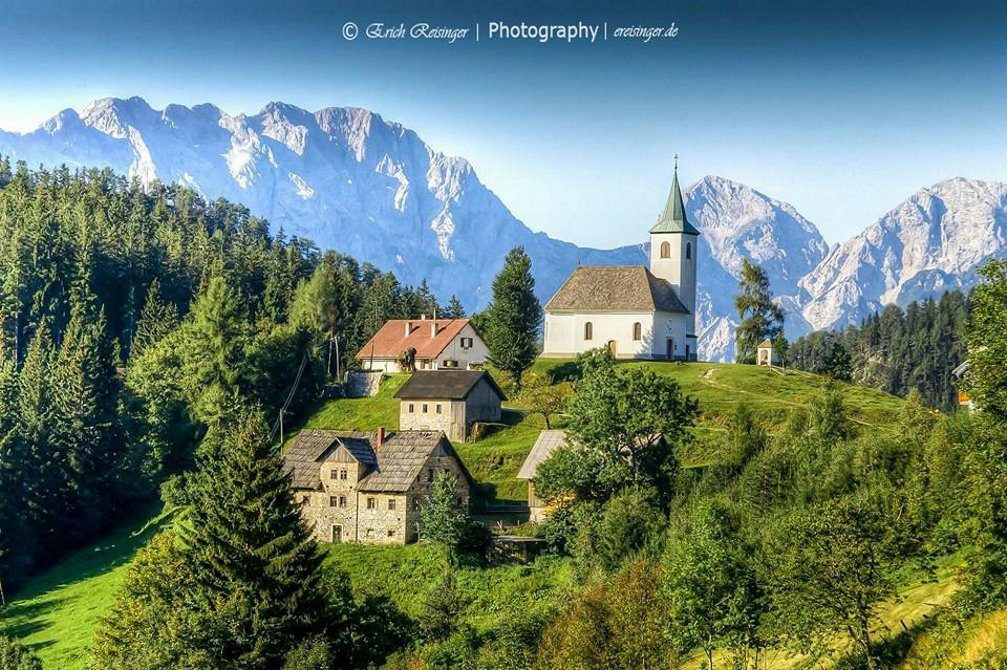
676, 162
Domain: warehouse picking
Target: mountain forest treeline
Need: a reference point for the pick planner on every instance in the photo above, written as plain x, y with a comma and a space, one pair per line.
134, 322
895, 350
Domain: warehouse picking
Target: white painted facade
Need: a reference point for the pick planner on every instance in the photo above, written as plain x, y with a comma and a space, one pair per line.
566, 334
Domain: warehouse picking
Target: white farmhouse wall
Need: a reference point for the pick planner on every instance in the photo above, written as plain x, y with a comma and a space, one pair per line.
466, 357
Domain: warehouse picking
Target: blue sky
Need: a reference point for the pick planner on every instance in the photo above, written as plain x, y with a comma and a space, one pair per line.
842, 109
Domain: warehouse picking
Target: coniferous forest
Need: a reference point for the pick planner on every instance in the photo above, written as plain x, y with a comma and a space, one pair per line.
895, 350
135, 323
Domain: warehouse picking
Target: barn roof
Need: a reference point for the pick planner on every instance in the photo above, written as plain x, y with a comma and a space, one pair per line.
547, 443
428, 336
392, 467
613, 288
448, 384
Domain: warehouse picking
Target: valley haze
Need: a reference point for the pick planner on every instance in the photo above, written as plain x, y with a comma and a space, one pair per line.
371, 188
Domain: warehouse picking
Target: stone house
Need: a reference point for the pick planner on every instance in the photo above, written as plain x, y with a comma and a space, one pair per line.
366, 487
637, 311
449, 401
546, 444
439, 344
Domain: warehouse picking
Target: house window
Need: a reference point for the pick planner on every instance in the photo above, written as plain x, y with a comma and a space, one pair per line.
665, 250
333, 501
416, 503
391, 533
342, 474
412, 408
391, 504
369, 532
450, 363
688, 250
372, 503
333, 474
637, 331
425, 408
438, 408
466, 343
342, 501
588, 331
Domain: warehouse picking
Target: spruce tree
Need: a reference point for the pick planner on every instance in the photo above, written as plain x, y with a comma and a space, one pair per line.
760, 317
513, 317
454, 310
253, 558
84, 422
157, 318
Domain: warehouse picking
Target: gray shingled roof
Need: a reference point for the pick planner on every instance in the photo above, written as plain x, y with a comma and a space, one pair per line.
548, 442
393, 466
448, 384
608, 288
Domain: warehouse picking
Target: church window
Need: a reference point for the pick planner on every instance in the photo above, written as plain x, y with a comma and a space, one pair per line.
588, 331
665, 250
637, 331
688, 250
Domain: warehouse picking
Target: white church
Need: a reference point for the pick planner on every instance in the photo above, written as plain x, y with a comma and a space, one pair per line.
636, 311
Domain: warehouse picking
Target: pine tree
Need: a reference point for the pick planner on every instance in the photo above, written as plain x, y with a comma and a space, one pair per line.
157, 318
513, 317
760, 317
454, 310
84, 421
253, 558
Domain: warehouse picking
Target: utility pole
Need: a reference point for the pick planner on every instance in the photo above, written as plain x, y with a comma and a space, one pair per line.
336, 338
281, 426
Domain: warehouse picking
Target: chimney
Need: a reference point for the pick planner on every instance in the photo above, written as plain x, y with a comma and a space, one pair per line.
433, 329
409, 327
380, 437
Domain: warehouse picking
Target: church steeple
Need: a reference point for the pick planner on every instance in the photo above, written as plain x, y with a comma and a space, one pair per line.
673, 219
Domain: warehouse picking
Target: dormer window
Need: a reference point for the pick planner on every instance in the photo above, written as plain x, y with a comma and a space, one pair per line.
665, 250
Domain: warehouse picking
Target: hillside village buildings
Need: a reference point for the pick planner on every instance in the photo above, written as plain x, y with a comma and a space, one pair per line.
366, 487
449, 401
439, 344
642, 312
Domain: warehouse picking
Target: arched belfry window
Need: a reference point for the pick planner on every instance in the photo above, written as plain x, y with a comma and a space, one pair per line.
665, 250
588, 331
637, 331
688, 250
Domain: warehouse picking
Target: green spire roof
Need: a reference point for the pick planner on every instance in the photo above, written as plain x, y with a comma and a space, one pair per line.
673, 219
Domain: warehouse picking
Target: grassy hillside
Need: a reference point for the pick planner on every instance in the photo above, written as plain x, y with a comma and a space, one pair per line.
57, 611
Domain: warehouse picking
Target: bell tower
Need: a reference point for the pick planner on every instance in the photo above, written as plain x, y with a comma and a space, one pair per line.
673, 250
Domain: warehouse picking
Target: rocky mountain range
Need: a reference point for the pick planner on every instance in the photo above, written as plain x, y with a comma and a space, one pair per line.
371, 188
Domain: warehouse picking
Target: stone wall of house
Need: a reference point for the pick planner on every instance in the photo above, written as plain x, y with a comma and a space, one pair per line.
439, 460
450, 420
382, 521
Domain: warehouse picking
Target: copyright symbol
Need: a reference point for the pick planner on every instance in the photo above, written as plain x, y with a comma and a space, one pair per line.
350, 30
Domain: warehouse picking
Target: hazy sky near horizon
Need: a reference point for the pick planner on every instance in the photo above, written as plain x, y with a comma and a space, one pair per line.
842, 109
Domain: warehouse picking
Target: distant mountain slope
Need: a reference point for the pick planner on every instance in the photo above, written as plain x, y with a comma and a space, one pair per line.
354, 182
928, 244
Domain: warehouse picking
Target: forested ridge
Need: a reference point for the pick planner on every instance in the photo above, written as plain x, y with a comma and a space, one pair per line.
895, 350
133, 321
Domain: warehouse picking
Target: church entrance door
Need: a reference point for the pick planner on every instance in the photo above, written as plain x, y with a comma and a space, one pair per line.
670, 351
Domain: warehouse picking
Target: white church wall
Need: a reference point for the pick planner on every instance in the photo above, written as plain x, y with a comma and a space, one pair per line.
564, 333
